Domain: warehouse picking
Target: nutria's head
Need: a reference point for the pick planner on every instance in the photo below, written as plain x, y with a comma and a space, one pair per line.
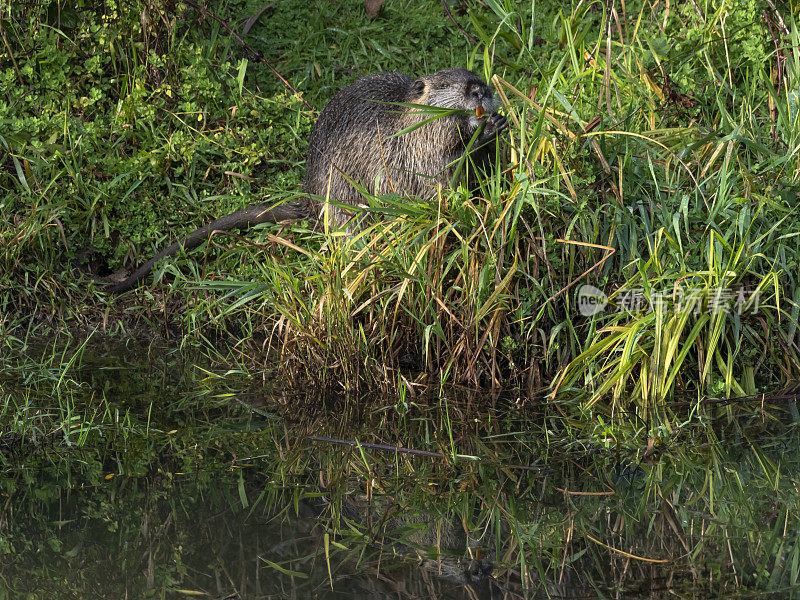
478, 569
455, 88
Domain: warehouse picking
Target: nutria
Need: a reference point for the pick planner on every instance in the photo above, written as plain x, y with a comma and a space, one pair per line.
441, 544
355, 141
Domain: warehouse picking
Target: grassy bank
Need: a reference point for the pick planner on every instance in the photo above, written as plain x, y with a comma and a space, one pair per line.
650, 154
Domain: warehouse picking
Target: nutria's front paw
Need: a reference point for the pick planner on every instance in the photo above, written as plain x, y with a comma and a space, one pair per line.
495, 124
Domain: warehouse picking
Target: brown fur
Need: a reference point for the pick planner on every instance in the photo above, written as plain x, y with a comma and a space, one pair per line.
354, 140
355, 136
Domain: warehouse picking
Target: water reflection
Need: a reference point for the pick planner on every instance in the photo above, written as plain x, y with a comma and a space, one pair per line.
134, 472
147, 537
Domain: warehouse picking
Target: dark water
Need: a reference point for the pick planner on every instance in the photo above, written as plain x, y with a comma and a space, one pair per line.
133, 471
152, 537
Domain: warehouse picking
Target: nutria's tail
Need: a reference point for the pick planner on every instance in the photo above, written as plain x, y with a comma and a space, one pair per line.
241, 219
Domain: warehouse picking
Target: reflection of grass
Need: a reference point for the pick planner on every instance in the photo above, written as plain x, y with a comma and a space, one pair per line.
58, 394
556, 503
698, 504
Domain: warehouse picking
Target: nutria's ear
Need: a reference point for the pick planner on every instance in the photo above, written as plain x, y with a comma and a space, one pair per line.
418, 87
